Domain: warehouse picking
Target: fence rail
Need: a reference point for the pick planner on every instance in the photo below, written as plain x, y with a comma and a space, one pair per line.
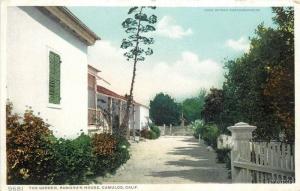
260, 162
175, 130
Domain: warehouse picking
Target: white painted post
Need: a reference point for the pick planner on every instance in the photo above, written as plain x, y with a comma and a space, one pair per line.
241, 135
171, 129
164, 129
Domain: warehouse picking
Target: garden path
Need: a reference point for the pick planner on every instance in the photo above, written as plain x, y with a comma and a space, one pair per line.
170, 159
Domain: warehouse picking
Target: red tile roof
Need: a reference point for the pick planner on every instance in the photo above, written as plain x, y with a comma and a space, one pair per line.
105, 91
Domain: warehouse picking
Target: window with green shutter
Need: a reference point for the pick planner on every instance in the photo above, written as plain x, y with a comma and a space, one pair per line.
54, 78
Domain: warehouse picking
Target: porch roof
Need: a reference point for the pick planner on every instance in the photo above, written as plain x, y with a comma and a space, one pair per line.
107, 92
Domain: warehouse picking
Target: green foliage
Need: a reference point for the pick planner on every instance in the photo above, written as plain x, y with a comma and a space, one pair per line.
35, 156
155, 129
164, 110
73, 160
198, 127
259, 86
137, 46
208, 132
153, 133
193, 106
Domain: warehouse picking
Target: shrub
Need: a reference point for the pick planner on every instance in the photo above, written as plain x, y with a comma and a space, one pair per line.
35, 156
150, 134
155, 129
223, 156
145, 133
29, 157
73, 159
198, 128
121, 154
103, 144
210, 134
110, 152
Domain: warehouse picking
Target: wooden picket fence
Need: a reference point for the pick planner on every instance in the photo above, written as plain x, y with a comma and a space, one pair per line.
272, 162
260, 162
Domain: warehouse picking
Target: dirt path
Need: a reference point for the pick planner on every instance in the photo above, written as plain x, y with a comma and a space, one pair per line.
170, 159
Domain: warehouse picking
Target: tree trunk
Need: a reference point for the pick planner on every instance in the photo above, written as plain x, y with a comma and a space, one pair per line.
125, 128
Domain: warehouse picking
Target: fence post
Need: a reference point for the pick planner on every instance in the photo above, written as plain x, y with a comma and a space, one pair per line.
241, 135
164, 133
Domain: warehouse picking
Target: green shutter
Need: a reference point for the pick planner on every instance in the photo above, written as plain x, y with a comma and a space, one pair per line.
54, 78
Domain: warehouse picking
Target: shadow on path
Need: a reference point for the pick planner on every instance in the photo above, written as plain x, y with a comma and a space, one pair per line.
197, 164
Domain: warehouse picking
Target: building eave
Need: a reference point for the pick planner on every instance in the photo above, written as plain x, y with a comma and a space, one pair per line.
68, 20
93, 68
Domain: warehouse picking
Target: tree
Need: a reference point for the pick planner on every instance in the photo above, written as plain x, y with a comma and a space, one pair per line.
164, 110
192, 107
280, 84
137, 46
259, 86
213, 107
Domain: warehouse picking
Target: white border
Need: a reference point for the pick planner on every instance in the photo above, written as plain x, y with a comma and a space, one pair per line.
163, 3
3, 93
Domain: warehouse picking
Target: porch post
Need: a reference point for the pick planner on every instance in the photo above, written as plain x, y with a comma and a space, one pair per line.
241, 135
120, 111
133, 122
110, 113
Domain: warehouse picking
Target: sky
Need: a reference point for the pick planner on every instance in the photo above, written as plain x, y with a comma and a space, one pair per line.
190, 49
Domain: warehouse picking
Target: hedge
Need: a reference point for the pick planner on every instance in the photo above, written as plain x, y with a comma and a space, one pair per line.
36, 156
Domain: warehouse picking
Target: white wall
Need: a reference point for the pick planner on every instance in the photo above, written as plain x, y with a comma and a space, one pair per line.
141, 116
30, 36
144, 116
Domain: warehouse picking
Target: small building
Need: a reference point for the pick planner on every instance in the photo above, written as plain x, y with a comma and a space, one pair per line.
47, 66
141, 116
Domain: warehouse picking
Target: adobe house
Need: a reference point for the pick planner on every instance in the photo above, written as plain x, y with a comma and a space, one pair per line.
47, 66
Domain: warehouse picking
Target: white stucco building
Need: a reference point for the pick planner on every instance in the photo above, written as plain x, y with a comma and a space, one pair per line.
47, 66
141, 116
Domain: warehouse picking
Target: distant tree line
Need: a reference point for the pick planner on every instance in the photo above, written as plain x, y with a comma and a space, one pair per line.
166, 110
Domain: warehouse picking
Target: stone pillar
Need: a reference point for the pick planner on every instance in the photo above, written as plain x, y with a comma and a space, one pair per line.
241, 136
164, 130
171, 129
